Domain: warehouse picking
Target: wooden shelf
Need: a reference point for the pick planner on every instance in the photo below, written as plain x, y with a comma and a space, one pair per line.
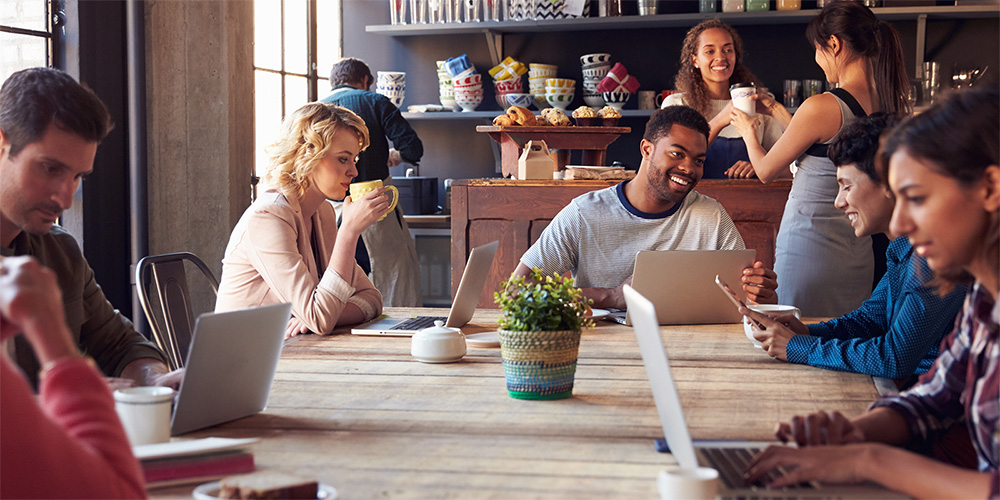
673, 20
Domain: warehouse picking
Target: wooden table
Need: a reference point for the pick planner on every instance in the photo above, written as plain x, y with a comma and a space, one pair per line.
591, 141
360, 414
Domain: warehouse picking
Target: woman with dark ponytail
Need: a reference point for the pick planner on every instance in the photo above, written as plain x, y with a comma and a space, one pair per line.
822, 267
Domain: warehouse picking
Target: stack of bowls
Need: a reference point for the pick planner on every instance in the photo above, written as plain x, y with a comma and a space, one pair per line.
559, 92
522, 100
391, 84
537, 74
468, 90
446, 91
509, 86
595, 68
616, 99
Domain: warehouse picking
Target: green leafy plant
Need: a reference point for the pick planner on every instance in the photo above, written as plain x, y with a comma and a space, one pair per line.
542, 303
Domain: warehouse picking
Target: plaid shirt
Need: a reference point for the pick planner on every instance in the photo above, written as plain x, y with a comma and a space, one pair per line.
963, 383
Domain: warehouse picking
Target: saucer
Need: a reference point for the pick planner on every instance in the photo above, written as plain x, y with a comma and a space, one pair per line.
598, 314
210, 491
484, 339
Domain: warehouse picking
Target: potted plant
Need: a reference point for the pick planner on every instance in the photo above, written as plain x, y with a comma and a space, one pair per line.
540, 328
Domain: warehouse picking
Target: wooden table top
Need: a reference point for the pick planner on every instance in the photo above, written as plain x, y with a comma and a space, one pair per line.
359, 413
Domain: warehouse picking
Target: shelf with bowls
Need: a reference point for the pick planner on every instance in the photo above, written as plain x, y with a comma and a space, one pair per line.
674, 20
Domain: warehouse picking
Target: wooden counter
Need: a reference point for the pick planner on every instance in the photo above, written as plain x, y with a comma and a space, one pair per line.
516, 212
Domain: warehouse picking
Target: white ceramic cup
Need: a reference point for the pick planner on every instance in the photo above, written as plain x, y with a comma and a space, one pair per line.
145, 413
741, 93
770, 310
695, 484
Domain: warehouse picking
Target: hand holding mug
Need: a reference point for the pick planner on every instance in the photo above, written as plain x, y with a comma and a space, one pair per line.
363, 210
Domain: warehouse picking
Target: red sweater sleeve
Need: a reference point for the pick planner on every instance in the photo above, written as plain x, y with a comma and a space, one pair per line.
72, 445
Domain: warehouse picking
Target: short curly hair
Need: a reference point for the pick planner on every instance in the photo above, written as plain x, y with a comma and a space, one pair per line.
350, 70
305, 137
858, 142
664, 119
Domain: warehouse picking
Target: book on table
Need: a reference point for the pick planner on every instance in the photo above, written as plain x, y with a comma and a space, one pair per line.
193, 461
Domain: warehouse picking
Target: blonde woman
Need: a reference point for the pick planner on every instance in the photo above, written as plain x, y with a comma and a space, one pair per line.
286, 246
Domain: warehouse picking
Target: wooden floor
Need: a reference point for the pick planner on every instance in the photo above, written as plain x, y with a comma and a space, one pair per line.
360, 414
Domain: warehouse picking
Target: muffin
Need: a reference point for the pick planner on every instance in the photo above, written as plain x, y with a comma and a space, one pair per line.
609, 116
555, 117
585, 116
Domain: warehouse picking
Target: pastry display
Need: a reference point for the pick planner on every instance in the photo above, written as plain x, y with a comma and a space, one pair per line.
609, 116
585, 116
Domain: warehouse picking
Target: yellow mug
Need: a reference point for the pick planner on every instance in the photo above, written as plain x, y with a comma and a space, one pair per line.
359, 189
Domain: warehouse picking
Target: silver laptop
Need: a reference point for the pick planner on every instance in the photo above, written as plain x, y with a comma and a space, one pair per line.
462, 309
681, 284
730, 458
230, 366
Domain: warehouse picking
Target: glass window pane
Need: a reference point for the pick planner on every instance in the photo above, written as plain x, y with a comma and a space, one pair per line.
296, 93
267, 34
328, 29
267, 115
323, 87
28, 14
296, 46
18, 52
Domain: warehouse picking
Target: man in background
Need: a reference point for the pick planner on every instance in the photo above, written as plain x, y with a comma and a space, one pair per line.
385, 250
50, 127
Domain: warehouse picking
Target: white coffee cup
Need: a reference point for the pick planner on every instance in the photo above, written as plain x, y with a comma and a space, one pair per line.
770, 310
701, 483
145, 413
741, 93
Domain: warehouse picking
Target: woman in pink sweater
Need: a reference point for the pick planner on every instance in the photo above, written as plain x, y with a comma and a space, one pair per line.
67, 442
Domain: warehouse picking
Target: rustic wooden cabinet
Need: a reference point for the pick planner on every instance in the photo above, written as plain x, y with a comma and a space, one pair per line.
515, 213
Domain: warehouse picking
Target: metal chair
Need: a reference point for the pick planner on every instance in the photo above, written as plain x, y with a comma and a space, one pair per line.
173, 330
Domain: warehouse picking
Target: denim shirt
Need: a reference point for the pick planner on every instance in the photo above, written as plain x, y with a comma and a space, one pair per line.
895, 333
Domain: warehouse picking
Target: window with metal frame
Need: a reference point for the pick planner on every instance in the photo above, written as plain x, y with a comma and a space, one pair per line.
296, 43
27, 30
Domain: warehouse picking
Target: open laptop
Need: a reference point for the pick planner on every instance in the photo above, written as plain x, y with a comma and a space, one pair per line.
681, 283
730, 458
462, 309
230, 366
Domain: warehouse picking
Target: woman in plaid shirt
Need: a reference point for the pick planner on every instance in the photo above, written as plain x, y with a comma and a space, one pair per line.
944, 167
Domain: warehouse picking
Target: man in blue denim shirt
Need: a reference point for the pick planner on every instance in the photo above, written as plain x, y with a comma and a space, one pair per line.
385, 250
897, 332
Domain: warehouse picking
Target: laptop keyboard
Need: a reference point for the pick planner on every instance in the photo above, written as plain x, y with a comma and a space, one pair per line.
733, 462
419, 323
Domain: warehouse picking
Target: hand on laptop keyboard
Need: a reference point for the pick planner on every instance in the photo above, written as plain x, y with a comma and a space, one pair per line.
808, 466
819, 428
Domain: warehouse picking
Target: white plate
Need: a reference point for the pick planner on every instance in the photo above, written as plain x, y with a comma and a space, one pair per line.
484, 339
210, 491
598, 314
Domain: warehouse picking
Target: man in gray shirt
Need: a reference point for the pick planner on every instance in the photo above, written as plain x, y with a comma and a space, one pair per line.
598, 234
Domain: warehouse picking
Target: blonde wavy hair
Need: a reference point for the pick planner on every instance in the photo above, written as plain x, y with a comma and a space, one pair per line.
305, 137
